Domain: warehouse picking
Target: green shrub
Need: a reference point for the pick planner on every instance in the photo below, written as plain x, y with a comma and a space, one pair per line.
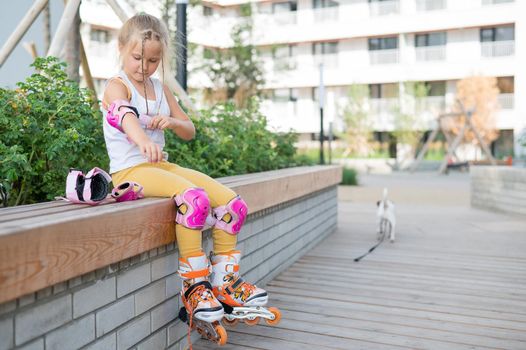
47, 126
232, 141
349, 177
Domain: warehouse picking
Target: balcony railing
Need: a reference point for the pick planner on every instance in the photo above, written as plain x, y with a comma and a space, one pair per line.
433, 104
506, 101
494, 2
383, 105
382, 8
498, 48
99, 49
285, 18
431, 53
390, 56
281, 19
326, 14
430, 5
284, 64
329, 61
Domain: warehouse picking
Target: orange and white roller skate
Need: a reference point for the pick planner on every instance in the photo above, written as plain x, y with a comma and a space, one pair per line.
241, 300
201, 310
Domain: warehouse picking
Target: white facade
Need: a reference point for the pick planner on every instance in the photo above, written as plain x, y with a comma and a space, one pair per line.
286, 35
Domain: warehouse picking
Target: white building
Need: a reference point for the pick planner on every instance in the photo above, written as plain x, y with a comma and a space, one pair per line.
380, 43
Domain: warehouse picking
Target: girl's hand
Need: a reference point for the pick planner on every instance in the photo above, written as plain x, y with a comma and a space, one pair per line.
162, 122
152, 151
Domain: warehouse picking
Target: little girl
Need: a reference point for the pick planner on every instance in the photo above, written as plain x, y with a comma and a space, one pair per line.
137, 110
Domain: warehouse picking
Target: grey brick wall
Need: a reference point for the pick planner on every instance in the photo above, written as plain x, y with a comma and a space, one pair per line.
499, 188
134, 304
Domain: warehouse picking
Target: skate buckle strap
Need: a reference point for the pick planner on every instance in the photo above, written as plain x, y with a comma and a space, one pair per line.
194, 286
232, 267
194, 274
231, 288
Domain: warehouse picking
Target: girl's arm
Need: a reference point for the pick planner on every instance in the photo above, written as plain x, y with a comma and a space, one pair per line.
178, 121
131, 126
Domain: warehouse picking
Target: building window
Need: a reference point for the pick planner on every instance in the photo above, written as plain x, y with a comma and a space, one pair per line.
284, 51
506, 85
324, 3
284, 57
100, 35
430, 5
389, 90
430, 39
383, 43
494, 2
384, 7
285, 95
504, 33
435, 88
327, 48
497, 41
208, 11
287, 6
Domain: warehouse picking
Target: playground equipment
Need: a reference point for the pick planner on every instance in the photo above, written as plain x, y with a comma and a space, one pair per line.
453, 143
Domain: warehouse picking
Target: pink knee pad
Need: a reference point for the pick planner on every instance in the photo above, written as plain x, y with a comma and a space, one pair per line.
197, 208
238, 210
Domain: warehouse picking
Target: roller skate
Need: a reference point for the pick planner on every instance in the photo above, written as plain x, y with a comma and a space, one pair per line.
201, 310
240, 299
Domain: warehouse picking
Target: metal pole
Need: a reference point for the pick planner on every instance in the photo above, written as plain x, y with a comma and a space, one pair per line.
330, 142
180, 42
321, 100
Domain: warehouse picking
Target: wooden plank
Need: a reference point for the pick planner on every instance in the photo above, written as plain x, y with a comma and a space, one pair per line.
415, 332
255, 341
21, 29
402, 302
418, 297
294, 274
379, 306
495, 273
393, 317
312, 337
375, 272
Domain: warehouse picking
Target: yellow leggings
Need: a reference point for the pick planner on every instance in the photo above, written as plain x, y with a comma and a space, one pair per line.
165, 179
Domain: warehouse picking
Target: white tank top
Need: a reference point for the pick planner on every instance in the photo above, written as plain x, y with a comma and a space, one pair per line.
122, 152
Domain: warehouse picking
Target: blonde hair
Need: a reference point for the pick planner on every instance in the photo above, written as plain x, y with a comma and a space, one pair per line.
140, 28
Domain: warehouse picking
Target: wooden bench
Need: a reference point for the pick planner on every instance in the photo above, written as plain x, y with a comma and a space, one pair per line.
47, 243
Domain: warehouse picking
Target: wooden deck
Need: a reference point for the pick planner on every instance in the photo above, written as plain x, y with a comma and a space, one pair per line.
454, 279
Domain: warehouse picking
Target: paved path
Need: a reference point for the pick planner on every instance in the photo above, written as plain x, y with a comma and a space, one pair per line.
454, 279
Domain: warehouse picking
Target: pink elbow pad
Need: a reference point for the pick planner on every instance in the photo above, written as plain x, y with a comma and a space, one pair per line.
117, 111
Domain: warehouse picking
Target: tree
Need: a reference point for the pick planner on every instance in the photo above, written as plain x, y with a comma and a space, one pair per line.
409, 127
479, 94
358, 124
236, 72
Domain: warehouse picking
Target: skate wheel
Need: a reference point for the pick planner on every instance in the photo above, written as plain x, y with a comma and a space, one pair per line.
230, 323
221, 335
277, 316
253, 322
